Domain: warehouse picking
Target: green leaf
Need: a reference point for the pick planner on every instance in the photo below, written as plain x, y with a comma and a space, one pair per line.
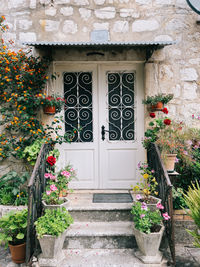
20, 236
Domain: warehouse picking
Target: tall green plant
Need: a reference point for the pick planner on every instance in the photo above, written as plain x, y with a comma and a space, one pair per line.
192, 200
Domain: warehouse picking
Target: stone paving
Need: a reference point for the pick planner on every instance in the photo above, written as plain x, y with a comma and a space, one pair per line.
186, 257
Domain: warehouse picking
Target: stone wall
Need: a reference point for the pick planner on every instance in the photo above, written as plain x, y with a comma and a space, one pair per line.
174, 69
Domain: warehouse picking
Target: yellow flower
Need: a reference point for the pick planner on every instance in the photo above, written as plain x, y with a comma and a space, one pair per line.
17, 195
156, 193
146, 191
154, 179
146, 176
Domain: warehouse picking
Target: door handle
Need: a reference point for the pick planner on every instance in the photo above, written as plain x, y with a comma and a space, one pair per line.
103, 132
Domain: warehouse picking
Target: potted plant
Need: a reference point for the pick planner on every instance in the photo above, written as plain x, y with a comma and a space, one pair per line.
52, 104
156, 102
51, 230
169, 144
57, 187
192, 200
13, 234
148, 230
146, 189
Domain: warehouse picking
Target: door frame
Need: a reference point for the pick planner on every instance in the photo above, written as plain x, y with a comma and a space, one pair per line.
138, 67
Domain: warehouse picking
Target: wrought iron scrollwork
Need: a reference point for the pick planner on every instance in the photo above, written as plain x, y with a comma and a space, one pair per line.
78, 107
121, 106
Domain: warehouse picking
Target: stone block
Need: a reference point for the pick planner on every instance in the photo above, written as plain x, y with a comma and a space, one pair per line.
50, 11
61, 2
50, 25
121, 26
33, 4
12, 4
176, 25
163, 2
99, 2
24, 24
105, 13
70, 27
27, 36
45, 2
145, 25
190, 91
85, 13
67, 11
188, 74
125, 12
143, 2
81, 2
163, 38
101, 26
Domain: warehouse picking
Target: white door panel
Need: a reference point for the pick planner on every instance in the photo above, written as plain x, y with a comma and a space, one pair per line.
115, 94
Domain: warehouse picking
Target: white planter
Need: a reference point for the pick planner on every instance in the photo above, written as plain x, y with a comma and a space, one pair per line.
151, 206
52, 245
63, 205
148, 245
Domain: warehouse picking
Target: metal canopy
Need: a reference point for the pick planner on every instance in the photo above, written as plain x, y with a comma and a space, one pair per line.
148, 46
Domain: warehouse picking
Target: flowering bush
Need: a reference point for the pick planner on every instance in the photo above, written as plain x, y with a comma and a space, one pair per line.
146, 220
148, 182
22, 78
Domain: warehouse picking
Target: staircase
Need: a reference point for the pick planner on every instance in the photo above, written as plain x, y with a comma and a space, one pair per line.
101, 235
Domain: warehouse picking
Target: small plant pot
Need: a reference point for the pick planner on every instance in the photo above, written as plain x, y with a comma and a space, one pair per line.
157, 107
151, 204
50, 110
148, 245
51, 246
169, 162
56, 206
18, 253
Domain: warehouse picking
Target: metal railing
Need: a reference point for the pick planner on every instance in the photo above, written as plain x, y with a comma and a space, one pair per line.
165, 192
36, 187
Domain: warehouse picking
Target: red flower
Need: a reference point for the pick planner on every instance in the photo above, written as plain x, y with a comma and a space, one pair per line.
165, 110
51, 160
167, 121
152, 114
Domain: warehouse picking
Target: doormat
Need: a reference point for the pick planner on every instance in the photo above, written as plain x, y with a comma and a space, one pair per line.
112, 198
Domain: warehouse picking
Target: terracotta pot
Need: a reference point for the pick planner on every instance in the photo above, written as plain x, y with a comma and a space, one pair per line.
18, 253
169, 162
158, 106
51, 110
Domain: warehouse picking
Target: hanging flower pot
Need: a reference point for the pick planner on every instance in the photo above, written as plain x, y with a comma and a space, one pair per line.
18, 252
51, 110
169, 162
157, 107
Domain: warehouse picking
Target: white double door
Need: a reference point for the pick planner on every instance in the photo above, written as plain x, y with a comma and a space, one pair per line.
105, 113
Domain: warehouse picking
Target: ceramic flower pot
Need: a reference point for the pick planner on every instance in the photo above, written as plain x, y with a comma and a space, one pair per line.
56, 206
18, 253
148, 245
157, 107
50, 110
169, 162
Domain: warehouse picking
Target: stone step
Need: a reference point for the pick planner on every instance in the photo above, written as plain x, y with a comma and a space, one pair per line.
104, 258
98, 235
82, 208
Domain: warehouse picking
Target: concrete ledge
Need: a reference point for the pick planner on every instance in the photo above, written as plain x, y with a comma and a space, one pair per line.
4, 209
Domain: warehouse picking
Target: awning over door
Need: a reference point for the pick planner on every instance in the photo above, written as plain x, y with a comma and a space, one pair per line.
149, 47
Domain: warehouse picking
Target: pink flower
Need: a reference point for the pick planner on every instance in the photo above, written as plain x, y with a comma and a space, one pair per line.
48, 192
159, 206
185, 152
176, 160
166, 216
46, 175
144, 206
142, 216
139, 164
152, 171
53, 187
52, 177
138, 197
66, 173
145, 165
